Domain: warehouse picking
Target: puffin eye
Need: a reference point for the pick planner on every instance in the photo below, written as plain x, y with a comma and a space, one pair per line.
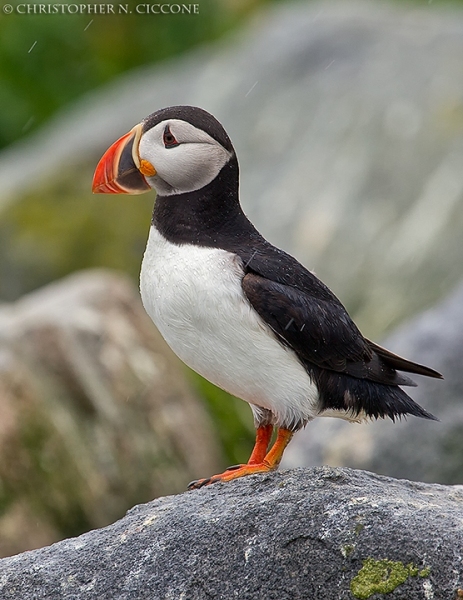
169, 138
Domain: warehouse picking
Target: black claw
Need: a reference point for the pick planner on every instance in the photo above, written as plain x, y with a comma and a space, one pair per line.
198, 483
234, 467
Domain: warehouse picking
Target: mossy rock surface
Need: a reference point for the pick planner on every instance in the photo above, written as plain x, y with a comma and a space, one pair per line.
275, 536
383, 577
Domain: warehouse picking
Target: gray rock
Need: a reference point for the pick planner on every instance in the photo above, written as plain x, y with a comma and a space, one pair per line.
318, 534
414, 448
347, 121
97, 413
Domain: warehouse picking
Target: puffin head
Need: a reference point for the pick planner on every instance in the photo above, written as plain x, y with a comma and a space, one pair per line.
175, 150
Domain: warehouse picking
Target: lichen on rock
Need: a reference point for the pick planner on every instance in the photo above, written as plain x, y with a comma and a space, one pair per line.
382, 577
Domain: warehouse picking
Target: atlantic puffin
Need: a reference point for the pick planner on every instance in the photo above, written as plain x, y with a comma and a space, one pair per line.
242, 313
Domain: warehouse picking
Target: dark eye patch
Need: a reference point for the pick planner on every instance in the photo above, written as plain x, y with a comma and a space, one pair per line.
168, 138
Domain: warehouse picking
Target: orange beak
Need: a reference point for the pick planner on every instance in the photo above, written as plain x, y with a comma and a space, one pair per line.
118, 171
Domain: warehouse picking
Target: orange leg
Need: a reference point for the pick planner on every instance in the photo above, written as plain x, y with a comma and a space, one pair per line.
263, 436
259, 462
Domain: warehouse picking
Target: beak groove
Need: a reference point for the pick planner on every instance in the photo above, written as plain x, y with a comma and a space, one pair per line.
118, 171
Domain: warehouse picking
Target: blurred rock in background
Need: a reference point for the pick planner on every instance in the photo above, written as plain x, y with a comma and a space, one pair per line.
97, 414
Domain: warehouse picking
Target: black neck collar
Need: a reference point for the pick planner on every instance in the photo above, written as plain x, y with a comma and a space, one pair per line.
211, 216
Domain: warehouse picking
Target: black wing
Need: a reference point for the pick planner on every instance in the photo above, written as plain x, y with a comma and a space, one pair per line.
306, 316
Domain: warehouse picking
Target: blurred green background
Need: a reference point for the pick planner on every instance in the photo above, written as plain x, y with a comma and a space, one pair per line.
48, 61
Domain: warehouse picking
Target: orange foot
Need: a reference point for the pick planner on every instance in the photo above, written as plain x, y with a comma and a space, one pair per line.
260, 461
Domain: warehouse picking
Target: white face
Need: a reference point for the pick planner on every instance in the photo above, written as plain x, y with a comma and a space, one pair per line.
187, 165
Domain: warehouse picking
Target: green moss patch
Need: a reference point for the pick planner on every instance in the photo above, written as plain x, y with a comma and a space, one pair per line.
382, 577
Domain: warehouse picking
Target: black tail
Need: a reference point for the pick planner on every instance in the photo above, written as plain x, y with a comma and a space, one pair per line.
364, 398
402, 364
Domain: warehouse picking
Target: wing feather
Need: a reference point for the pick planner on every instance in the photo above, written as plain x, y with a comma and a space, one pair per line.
306, 316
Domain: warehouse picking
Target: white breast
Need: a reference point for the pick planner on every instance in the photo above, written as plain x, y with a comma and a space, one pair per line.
194, 296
